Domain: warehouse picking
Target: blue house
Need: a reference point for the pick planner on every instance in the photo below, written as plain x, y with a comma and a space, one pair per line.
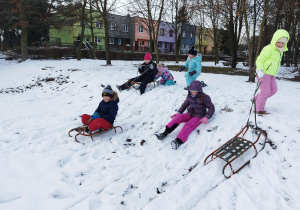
189, 33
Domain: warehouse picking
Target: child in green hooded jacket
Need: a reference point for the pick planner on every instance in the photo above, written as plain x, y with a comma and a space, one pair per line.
267, 66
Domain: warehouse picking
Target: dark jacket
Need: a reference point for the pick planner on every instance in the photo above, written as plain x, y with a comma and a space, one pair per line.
197, 106
148, 70
109, 110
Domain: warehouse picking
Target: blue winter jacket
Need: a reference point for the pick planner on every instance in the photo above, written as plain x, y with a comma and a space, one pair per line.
108, 110
194, 64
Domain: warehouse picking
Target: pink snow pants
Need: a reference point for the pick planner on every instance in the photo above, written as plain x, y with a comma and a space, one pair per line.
191, 124
268, 88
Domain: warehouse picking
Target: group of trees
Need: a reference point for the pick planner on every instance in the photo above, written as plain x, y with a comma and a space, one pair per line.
255, 21
230, 21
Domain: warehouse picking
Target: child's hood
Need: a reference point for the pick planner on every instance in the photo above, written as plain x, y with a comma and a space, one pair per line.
196, 85
115, 97
279, 34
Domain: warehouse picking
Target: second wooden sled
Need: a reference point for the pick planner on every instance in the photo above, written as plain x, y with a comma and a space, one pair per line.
135, 85
94, 133
234, 148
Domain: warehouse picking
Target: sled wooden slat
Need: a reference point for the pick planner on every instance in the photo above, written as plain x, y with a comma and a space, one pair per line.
234, 148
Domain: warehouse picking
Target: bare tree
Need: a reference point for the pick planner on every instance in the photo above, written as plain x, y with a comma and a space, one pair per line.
212, 9
150, 13
177, 10
104, 7
27, 14
83, 23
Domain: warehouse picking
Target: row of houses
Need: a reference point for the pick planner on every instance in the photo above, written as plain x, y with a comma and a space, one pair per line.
131, 33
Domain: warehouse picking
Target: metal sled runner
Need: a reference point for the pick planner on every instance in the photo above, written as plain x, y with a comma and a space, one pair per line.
234, 148
93, 133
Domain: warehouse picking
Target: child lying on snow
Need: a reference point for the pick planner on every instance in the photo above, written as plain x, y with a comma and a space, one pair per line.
104, 115
166, 77
196, 104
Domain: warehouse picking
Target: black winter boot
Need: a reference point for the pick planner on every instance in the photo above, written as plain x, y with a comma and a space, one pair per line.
161, 136
167, 131
119, 88
186, 88
176, 143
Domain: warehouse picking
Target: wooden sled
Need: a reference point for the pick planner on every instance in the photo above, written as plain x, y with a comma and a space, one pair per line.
234, 148
93, 133
136, 85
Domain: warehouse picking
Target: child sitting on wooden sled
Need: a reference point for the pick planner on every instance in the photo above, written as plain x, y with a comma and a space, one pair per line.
105, 114
148, 70
199, 110
166, 77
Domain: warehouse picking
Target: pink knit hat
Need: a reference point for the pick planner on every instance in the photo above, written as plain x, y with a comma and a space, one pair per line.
148, 56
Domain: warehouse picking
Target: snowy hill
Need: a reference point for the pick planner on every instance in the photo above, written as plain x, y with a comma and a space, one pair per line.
43, 168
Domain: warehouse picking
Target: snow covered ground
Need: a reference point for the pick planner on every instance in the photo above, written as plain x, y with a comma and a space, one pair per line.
43, 168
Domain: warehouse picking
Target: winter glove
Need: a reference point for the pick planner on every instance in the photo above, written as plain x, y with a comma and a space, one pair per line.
182, 69
204, 120
174, 115
95, 115
192, 73
260, 74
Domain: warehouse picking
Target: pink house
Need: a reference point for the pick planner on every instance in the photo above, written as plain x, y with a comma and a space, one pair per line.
140, 37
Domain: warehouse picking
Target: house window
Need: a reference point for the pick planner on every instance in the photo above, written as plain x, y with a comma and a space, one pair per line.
119, 41
183, 34
111, 41
87, 38
125, 27
205, 37
143, 43
149, 44
171, 33
113, 26
166, 45
99, 24
162, 32
141, 29
97, 39
159, 44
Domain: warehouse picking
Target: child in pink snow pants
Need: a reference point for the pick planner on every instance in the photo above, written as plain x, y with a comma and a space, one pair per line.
199, 110
267, 66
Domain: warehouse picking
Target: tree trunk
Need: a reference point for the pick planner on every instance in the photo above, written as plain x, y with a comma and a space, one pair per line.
107, 55
261, 28
216, 45
24, 35
251, 74
82, 20
92, 31
24, 43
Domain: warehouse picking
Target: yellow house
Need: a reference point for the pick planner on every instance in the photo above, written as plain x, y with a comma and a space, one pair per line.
205, 40
70, 35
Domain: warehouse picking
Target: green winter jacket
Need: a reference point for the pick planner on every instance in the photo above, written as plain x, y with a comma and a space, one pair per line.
269, 58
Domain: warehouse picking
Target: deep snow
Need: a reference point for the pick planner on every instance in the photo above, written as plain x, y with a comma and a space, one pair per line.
43, 168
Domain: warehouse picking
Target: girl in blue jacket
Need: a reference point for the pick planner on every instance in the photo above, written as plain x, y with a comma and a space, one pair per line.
193, 62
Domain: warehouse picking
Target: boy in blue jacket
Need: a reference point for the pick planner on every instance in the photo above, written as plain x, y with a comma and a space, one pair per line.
105, 114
